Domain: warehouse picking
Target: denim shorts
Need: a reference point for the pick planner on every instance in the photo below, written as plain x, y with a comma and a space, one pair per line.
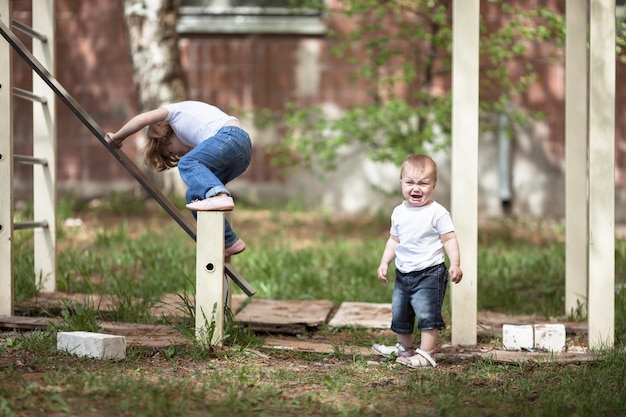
419, 294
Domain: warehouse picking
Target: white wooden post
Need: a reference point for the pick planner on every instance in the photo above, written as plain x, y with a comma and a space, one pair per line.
228, 296
44, 147
601, 317
6, 168
576, 145
464, 198
210, 278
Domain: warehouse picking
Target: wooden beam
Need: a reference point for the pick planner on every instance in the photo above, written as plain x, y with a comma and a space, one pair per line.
602, 174
464, 199
6, 168
44, 147
576, 145
210, 278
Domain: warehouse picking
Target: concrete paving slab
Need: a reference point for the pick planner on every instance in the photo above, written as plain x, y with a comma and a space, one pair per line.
53, 302
314, 347
284, 316
362, 315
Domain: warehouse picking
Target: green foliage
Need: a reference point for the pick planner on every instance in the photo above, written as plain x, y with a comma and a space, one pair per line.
620, 41
163, 265
336, 271
399, 49
620, 304
26, 284
38, 342
505, 275
78, 317
381, 130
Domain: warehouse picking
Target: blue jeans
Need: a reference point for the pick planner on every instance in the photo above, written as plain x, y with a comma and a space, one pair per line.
419, 294
208, 167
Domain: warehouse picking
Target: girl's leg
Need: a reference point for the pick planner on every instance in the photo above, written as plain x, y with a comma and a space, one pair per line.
216, 161
212, 164
229, 236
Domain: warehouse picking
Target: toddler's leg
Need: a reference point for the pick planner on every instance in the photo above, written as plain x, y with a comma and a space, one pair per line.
429, 340
424, 355
405, 339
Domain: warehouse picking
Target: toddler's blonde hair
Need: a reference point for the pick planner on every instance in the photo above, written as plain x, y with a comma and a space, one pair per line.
419, 161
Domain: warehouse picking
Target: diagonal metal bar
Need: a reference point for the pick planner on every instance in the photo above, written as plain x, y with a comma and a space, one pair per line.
187, 225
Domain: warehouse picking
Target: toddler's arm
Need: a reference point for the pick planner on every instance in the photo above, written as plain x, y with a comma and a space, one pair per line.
451, 246
388, 255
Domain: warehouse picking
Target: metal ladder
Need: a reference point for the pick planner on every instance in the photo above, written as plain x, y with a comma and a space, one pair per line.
43, 159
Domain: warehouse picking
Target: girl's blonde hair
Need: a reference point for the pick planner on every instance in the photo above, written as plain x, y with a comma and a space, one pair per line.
158, 137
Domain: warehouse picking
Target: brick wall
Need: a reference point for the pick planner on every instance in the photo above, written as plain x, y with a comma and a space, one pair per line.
234, 72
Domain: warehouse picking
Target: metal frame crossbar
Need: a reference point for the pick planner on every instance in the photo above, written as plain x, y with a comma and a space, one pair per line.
24, 159
27, 95
30, 225
29, 31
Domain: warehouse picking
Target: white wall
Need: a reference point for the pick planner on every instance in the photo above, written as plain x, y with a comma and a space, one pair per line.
537, 182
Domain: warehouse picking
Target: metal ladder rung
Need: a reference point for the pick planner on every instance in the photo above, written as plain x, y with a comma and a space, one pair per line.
29, 31
30, 160
27, 95
30, 225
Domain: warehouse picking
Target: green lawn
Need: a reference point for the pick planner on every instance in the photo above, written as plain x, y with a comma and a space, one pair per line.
136, 252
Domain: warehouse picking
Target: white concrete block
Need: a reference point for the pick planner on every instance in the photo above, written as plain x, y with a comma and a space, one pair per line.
550, 337
92, 345
517, 337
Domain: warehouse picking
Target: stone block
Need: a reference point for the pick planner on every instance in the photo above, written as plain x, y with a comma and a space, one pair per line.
550, 337
517, 337
92, 345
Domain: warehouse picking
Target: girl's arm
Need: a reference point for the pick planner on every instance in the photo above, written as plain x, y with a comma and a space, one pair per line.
451, 246
135, 124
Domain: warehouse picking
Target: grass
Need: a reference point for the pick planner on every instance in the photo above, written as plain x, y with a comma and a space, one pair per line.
140, 255
288, 384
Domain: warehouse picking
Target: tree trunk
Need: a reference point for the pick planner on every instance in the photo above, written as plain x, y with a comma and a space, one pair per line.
158, 73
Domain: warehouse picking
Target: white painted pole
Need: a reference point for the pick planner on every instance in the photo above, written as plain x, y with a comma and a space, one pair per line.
464, 199
44, 146
602, 174
576, 145
228, 293
6, 168
210, 279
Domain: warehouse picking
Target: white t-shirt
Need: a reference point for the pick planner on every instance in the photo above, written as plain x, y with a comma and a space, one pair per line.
195, 121
419, 230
